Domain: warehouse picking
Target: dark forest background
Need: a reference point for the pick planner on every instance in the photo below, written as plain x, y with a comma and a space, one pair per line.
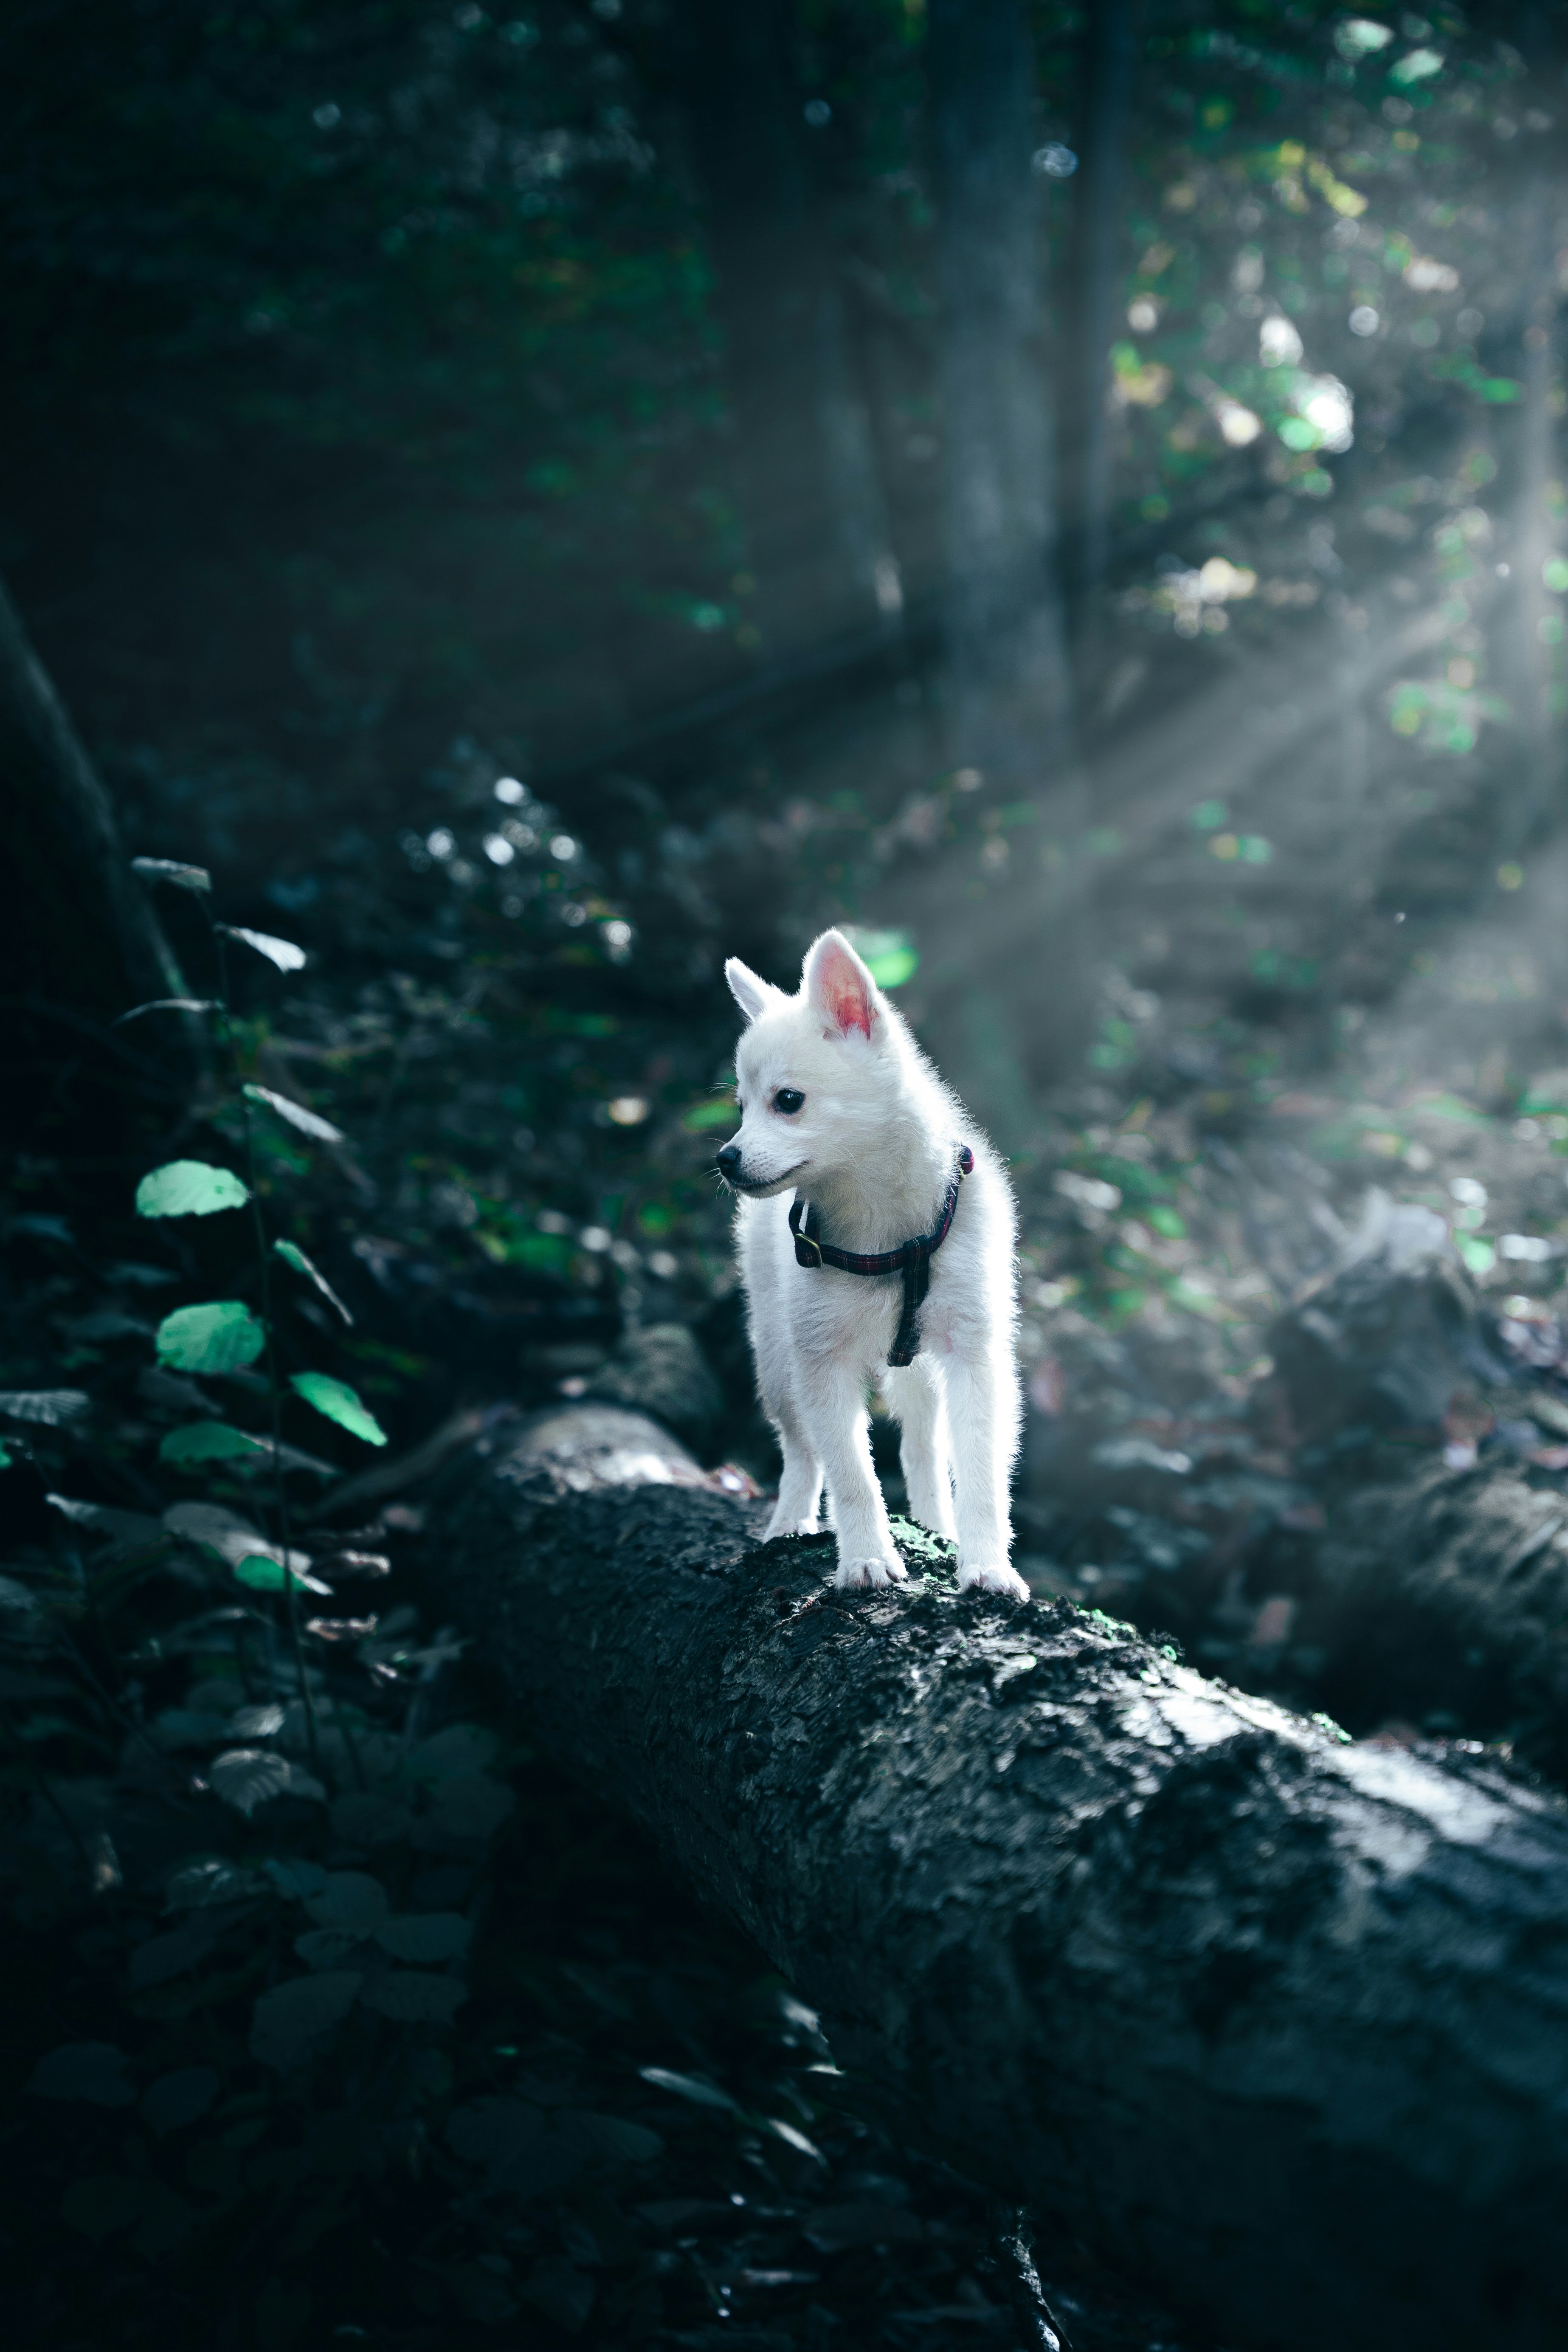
532, 504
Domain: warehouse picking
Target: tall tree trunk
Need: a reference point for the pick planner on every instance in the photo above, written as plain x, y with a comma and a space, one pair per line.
814, 511
1276, 2021
1007, 674
1111, 73
1007, 682
1541, 803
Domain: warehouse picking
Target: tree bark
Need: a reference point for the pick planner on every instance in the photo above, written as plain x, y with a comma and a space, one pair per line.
1113, 70
1007, 684
1275, 2021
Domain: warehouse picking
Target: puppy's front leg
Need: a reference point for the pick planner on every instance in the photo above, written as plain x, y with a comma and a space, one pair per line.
914, 1394
982, 1410
838, 1429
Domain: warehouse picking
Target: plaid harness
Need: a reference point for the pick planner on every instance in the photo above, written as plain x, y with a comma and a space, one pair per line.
912, 1259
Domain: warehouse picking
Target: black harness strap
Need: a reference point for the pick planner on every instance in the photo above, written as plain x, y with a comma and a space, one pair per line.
912, 1259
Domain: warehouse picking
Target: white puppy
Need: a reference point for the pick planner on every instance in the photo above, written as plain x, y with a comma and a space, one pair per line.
842, 1115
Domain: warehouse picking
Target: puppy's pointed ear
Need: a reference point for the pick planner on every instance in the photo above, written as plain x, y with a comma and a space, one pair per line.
752, 994
839, 988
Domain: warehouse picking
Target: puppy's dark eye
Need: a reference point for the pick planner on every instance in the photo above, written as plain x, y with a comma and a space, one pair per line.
788, 1100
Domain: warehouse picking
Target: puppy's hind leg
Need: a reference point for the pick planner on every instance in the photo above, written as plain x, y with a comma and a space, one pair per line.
984, 1406
800, 1483
914, 1395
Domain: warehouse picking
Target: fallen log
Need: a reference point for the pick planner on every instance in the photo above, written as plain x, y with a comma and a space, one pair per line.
1273, 2021
1448, 1589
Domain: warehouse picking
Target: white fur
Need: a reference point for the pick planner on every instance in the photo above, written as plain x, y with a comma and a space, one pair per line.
873, 1149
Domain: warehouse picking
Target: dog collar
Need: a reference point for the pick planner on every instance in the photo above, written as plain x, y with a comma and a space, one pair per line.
912, 1259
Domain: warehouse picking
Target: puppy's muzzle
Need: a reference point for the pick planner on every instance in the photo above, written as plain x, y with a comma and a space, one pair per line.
727, 1164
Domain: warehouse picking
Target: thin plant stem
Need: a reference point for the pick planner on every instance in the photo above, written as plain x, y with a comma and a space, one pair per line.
274, 1383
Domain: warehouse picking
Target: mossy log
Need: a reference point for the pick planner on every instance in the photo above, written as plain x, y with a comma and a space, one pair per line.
1275, 2021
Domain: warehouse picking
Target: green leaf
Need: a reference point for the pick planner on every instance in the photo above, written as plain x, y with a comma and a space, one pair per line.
695, 2088
307, 1121
220, 1335
415, 2000
293, 1255
247, 1777
337, 1402
50, 1408
189, 1188
264, 1573
293, 2021
253, 1559
169, 1004
208, 1440
94, 2071
428, 1936
351, 1901
170, 869
282, 952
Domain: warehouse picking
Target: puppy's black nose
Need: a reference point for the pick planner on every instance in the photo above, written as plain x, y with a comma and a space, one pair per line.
729, 1160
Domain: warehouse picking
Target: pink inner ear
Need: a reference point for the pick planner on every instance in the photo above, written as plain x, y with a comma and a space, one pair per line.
844, 997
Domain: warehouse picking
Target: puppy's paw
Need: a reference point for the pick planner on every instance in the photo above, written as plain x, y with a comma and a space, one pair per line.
1004, 1579
869, 1575
782, 1527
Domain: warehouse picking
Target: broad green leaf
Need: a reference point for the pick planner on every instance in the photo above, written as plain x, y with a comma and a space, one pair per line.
294, 2021
104, 1519
471, 1809
791, 2139
263, 1571
337, 1402
189, 1188
695, 2088
415, 2000
219, 1336
94, 2071
307, 1121
282, 952
254, 1560
291, 1254
427, 1937
247, 1777
170, 869
5, 1459
209, 1441
351, 1901
199, 1886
